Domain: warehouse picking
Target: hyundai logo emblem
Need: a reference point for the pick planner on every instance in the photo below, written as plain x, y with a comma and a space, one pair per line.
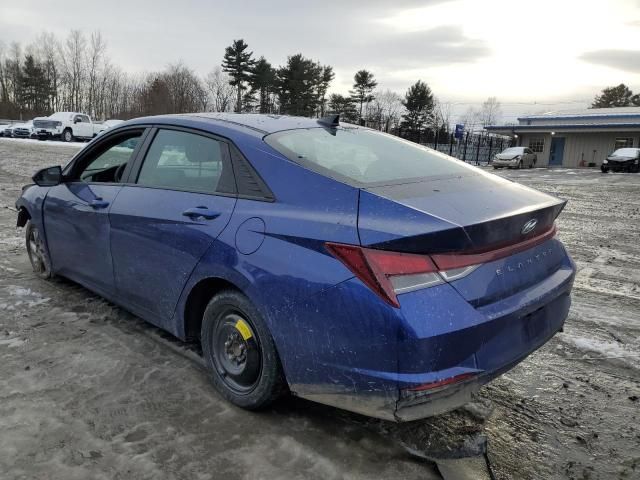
529, 226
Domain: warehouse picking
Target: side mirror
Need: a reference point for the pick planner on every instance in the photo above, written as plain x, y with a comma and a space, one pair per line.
48, 177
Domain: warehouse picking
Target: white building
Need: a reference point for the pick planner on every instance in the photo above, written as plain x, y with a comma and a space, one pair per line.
577, 138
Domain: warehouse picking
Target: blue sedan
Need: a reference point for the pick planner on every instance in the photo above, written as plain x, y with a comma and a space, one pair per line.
335, 262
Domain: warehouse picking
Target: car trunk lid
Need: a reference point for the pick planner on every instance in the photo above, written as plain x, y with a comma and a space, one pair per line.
462, 218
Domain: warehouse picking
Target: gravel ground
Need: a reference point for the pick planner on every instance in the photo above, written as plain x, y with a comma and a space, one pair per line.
89, 391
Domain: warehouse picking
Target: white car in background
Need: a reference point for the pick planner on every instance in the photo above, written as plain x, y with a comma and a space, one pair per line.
515, 157
68, 126
107, 124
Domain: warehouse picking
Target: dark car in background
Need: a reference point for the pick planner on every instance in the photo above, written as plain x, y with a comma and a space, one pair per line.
5, 129
622, 160
23, 130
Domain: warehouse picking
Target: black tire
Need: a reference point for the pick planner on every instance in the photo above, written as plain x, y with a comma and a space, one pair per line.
67, 135
240, 353
604, 169
37, 252
495, 168
519, 165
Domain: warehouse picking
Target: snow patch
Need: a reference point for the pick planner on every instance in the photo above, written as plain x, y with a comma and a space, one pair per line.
12, 342
606, 349
28, 297
52, 143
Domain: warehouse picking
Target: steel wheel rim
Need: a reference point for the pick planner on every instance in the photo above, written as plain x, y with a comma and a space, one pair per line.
237, 354
35, 252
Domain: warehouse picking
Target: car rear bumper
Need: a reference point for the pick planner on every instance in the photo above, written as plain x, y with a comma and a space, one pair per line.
441, 336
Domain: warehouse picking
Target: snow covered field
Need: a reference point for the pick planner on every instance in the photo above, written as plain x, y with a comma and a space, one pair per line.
89, 391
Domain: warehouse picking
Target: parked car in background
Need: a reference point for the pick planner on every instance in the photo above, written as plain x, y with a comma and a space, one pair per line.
622, 160
23, 130
346, 265
515, 157
6, 130
67, 126
107, 124
5, 125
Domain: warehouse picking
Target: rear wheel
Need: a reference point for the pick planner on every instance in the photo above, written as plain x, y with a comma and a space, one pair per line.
240, 352
37, 252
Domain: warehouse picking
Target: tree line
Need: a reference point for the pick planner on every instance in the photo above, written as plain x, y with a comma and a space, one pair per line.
77, 74
618, 96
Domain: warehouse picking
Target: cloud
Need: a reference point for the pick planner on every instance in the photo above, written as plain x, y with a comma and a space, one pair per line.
626, 60
441, 45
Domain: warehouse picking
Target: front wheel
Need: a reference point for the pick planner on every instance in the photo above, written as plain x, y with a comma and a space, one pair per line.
604, 169
240, 352
37, 252
67, 135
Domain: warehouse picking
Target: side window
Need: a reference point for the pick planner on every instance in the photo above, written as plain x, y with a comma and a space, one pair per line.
536, 145
84, 119
109, 163
186, 161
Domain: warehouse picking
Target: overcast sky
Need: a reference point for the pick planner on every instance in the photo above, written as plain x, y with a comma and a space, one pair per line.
467, 50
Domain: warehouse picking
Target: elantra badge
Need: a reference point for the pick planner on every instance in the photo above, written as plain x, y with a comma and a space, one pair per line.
529, 226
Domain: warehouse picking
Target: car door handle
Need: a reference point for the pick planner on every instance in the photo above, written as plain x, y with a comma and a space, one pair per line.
98, 202
200, 212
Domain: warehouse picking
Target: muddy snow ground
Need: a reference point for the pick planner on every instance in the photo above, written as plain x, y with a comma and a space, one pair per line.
89, 391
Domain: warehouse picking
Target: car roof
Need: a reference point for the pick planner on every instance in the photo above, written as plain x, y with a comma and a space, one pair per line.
252, 123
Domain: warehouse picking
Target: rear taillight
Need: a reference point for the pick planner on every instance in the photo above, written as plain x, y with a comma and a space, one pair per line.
391, 273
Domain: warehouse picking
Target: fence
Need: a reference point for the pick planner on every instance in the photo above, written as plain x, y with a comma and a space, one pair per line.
475, 148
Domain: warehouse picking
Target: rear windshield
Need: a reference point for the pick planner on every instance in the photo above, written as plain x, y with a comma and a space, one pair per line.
362, 156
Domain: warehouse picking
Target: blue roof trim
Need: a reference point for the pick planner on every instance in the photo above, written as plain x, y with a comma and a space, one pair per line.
582, 117
563, 127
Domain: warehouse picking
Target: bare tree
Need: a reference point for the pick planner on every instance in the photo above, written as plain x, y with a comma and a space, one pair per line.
73, 63
221, 93
490, 112
385, 110
4, 78
470, 119
48, 49
442, 115
95, 59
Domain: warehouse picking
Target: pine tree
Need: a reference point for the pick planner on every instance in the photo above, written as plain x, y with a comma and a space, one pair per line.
419, 103
620, 96
34, 91
363, 85
297, 86
237, 62
325, 79
263, 82
344, 106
